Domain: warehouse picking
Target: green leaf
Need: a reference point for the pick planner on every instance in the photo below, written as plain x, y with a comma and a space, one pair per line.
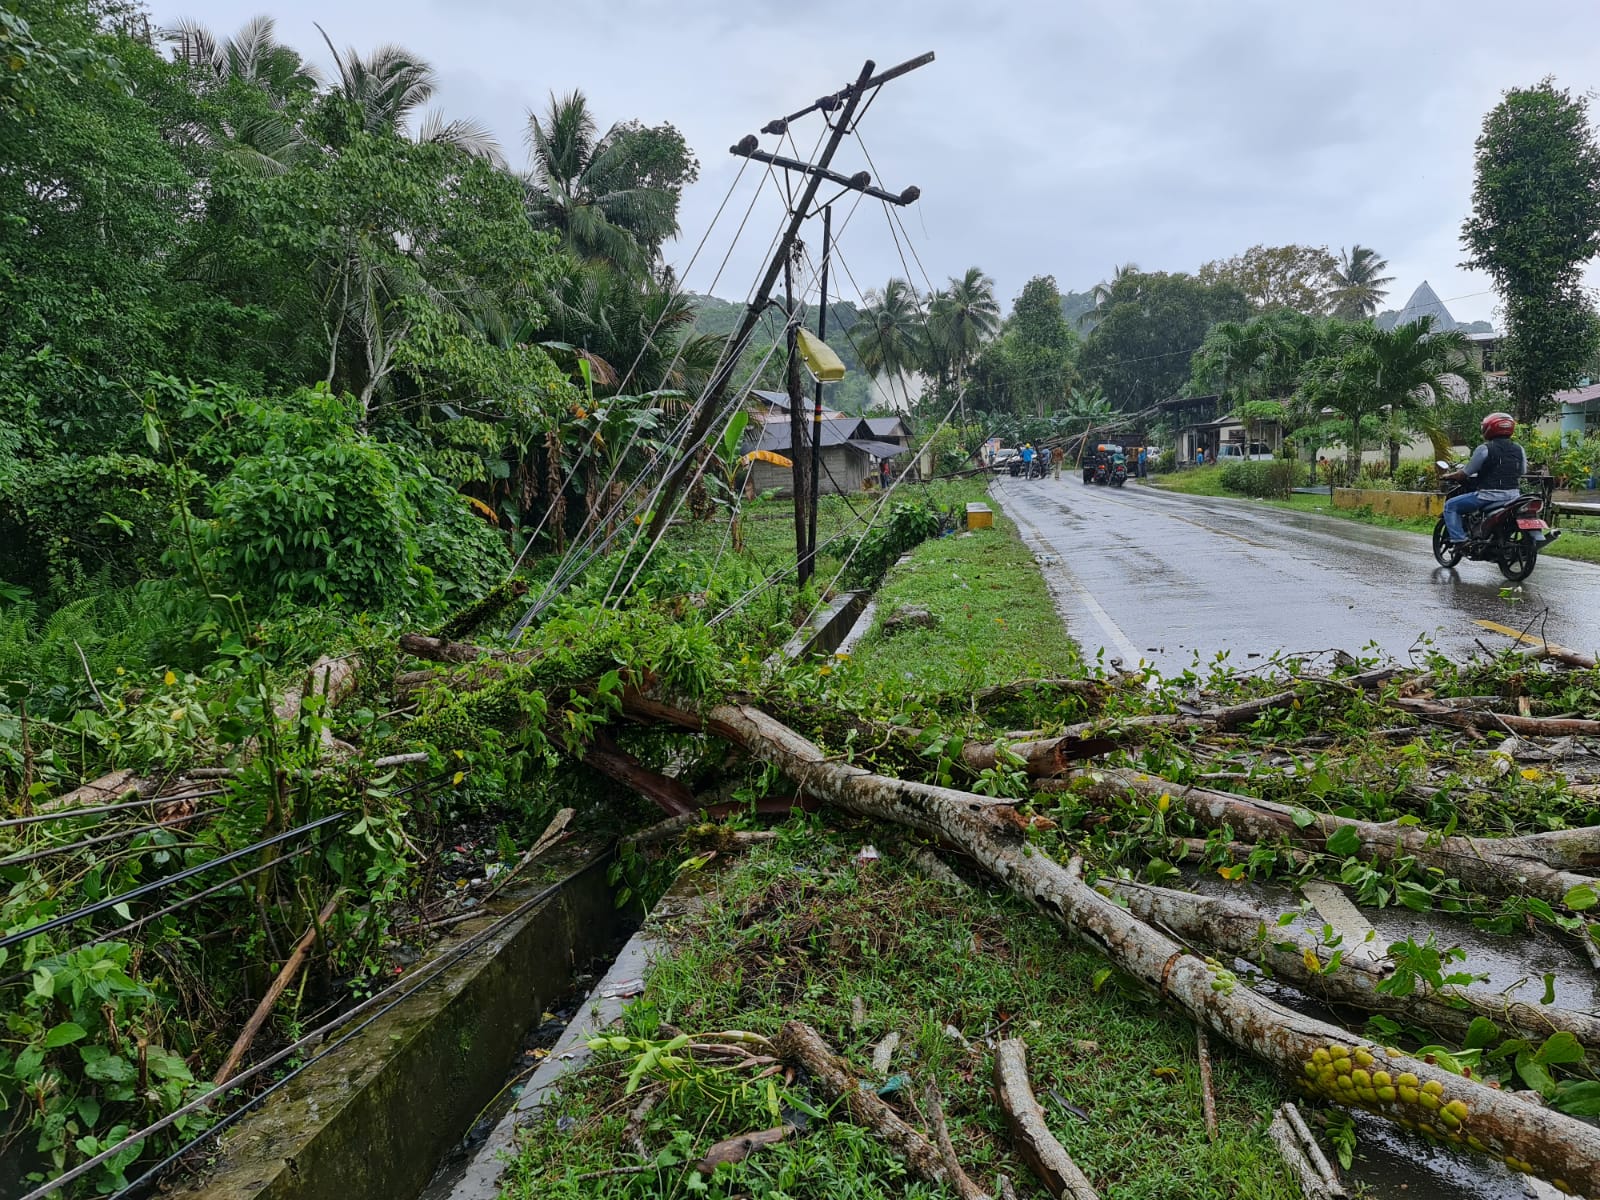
64, 1034
1559, 1049
1549, 996
152, 432
1344, 842
1481, 1033
1535, 1076
1578, 1099
1581, 897
1302, 818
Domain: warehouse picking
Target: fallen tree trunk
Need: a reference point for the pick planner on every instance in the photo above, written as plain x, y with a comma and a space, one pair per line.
1238, 931
1444, 713
798, 1043
1534, 864
1456, 1110
670, 795
1046, 1157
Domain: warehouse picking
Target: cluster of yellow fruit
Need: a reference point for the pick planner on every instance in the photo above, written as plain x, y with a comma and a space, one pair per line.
1353, 1077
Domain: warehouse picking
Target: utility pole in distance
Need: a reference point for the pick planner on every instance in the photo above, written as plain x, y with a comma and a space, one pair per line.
710, 404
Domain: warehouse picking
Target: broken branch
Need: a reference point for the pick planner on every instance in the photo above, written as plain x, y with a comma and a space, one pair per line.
1045, 1156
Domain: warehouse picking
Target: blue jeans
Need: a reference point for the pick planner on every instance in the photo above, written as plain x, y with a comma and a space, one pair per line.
1458, 507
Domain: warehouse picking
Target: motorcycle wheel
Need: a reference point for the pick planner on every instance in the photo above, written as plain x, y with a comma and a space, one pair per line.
1519, 556
1118, 482
1445, 552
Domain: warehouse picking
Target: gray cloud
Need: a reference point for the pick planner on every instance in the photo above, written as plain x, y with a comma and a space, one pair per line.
1058, 138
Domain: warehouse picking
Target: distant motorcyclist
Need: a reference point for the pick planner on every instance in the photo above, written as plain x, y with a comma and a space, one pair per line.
1496, 467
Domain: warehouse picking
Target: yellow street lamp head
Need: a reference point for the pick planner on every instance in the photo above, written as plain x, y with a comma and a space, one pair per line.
825, 366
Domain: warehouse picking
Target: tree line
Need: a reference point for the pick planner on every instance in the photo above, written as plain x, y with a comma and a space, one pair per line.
1293, 333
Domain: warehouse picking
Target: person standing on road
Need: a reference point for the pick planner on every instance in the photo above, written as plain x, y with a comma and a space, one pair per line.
1057, 457
1496, 467
1027, 460
1143, 454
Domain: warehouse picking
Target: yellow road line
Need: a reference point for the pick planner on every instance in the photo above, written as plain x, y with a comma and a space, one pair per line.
1519, 636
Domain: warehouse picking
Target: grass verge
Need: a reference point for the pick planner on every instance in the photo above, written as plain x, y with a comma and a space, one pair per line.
1582, 546
993, 617
800, 930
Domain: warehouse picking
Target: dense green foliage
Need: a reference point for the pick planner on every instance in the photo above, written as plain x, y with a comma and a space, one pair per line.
1535, 225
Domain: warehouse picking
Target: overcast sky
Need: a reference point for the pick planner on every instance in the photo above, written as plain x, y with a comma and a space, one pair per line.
1048, 138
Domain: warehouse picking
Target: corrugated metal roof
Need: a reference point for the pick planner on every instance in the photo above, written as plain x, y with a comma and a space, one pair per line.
1578, 397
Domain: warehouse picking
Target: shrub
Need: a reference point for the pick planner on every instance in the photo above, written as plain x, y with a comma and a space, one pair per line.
1167, 462
1261, 480
65, 520
908, 524
330, 524
1414, 476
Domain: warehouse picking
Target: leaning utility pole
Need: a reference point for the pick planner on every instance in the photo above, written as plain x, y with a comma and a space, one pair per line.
711, 401
808, 554
797, 423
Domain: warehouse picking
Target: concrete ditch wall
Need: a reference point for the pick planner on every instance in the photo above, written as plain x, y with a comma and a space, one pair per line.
373, 1119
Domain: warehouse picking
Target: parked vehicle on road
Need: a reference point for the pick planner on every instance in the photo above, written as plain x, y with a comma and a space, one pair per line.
1508, 535
1242, 452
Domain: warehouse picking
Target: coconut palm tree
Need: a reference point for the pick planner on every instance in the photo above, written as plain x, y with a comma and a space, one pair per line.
1123, 285
1401, 372
960, 319
891, 336
569, 188
253, 55
389, 86
1358, 284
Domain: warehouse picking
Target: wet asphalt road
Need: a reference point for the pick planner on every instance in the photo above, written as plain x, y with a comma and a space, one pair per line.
1147, 574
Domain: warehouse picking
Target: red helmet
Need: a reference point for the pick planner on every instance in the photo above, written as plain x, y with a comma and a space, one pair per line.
1499, 424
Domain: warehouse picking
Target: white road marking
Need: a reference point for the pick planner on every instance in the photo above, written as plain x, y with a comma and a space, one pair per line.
1039, 544
1334, 907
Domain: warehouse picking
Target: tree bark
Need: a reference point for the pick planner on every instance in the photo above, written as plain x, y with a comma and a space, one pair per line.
670, 795
1445, 713
1534, 864
797, 1042
1238, 931
1045, 1156
1531, 1137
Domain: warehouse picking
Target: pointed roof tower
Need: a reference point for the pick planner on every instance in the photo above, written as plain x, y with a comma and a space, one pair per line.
1425, 303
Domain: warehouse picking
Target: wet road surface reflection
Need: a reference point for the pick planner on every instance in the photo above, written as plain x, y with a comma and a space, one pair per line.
1147, 574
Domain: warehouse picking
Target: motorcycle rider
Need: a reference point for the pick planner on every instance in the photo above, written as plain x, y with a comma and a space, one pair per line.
1497, 466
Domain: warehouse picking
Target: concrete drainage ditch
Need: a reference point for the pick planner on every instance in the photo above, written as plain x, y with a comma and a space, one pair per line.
373, 1119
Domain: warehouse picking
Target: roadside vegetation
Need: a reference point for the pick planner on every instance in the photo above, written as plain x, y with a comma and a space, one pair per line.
874, 954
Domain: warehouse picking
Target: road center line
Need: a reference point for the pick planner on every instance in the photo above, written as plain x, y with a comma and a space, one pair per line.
1119, 640
1517, 635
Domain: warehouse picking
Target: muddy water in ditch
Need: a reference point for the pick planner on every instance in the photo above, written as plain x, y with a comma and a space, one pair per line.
1390, 1163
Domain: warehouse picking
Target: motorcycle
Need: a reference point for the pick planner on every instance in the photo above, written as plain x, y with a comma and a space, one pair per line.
1507, 535
1119, 474
1102, 473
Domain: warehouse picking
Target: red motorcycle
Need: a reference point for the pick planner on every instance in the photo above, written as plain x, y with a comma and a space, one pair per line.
1507, 535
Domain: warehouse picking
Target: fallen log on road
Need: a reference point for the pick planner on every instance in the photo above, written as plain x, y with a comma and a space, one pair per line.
1327, 1061
1480, 718
1238, 931
1533, 864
